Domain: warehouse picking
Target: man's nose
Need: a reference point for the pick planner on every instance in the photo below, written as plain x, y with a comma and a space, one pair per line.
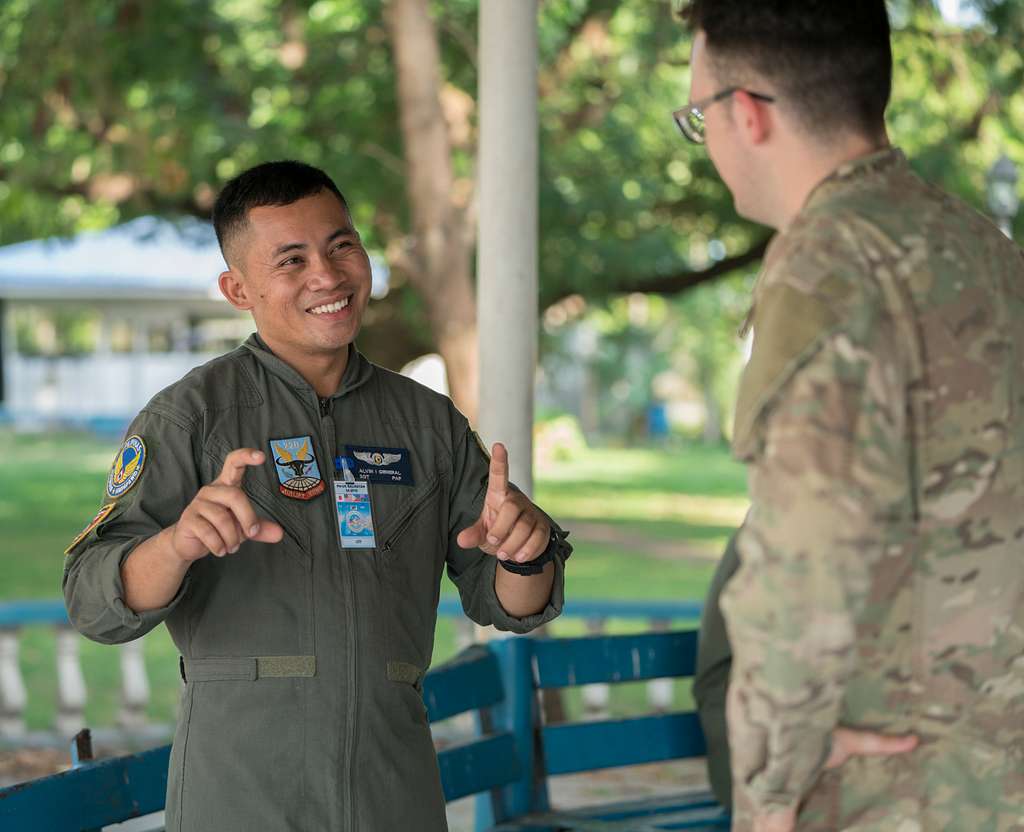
322, 273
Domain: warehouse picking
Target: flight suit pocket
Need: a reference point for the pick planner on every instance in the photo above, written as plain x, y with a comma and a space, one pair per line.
268, 506
400, 515
411, 549
233, 722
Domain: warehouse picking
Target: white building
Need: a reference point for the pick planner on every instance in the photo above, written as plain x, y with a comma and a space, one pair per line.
146, 294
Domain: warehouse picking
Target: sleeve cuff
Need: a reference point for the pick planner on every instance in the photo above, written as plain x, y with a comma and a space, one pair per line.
95, 599
510, 624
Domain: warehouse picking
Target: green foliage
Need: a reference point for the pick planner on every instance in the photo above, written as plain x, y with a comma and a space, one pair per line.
639, 350
117, 109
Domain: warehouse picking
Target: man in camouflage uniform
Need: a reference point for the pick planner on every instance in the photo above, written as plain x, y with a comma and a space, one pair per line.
879, 596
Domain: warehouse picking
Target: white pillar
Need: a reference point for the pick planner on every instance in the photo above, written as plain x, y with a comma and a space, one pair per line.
507, 244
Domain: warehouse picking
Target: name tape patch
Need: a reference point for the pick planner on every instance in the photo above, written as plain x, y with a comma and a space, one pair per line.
389, 466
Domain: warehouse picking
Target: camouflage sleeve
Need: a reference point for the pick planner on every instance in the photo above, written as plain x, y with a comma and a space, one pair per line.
472, 570
825, 451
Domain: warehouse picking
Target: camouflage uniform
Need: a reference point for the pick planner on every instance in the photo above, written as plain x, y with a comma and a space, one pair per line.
881, 583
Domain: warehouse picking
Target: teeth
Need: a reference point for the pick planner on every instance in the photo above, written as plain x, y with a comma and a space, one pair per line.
337, 306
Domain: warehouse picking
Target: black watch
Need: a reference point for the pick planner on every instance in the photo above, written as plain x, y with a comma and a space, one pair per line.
556, 545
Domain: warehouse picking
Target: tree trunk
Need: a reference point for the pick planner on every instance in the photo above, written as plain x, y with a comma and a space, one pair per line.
443, 232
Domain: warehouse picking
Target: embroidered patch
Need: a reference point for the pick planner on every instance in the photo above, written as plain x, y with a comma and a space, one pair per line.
101, 515
391, 466
127, 467
296, 466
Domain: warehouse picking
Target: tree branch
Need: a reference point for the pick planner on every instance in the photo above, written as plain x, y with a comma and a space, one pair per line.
673, 284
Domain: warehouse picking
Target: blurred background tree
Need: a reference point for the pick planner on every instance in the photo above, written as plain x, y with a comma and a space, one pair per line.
117, 108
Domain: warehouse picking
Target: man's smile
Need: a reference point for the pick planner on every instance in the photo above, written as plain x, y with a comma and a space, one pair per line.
333, 306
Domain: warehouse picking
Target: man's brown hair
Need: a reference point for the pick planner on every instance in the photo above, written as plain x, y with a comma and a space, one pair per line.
829, 62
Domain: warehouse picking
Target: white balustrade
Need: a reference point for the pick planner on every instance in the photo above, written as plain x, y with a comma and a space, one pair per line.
596, 697
13, 697
134, 686
71, 693
71, 690
660, 692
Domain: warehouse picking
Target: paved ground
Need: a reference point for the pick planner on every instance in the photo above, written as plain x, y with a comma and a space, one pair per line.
609, 786
680, 550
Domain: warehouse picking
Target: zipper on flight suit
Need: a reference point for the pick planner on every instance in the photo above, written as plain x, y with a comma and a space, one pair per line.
351, 737
414, 510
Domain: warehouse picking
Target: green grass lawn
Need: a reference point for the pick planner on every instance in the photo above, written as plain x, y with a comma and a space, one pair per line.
648, 524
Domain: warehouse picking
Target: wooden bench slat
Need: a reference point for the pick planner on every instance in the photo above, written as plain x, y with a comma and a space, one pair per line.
478, 765
566, 662
101, 793
585, 746
467, 682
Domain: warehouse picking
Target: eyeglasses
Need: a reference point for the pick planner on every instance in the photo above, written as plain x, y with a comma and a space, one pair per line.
690, 119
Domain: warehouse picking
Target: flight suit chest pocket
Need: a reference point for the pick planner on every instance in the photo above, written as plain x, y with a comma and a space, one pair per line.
258, 600
408, 517
270, 505
267, 505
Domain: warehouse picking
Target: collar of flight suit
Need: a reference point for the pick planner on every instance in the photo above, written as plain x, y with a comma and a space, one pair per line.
358, 371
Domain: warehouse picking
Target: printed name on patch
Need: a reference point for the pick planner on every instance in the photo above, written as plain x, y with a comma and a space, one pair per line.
387, 466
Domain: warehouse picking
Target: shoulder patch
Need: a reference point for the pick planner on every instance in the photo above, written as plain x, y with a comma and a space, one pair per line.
127, 467
101, 515
789, 325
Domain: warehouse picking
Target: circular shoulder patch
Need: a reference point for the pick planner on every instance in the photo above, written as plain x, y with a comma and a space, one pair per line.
127, 467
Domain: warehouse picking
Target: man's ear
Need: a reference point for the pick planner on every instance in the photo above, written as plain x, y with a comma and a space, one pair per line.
234, 289
752, 116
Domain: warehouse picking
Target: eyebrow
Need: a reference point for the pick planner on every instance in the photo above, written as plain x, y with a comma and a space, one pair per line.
345, 231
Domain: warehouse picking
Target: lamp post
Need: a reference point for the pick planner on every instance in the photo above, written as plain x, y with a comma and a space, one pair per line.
1003, 199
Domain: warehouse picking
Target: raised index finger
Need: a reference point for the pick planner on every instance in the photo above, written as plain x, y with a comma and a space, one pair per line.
498, 474
235, 464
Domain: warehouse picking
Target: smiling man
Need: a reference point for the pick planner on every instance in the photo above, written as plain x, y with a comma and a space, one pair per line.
288, 509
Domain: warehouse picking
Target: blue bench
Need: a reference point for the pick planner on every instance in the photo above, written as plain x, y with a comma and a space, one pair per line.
506, 765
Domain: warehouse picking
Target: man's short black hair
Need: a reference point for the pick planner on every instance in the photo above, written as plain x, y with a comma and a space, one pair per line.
272, 183
829, 61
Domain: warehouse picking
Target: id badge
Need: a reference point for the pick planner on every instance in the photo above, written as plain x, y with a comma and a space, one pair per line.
355, 517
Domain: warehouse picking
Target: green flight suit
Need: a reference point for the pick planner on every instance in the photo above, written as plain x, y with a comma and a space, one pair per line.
303, 661
711, 681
